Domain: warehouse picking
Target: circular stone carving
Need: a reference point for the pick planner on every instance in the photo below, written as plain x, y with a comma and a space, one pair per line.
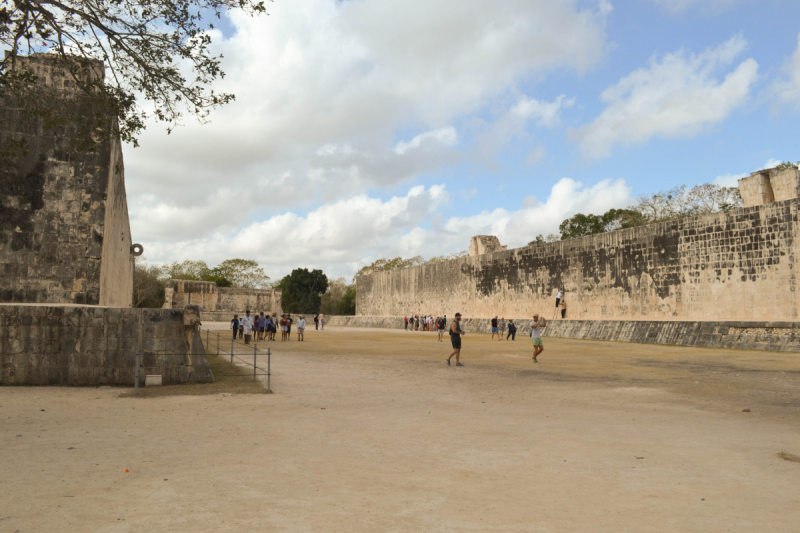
137, 249
465, 268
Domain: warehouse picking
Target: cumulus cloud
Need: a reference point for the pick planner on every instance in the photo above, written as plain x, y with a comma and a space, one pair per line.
729, 180
787, 91
324, 87
342, 236
677, 96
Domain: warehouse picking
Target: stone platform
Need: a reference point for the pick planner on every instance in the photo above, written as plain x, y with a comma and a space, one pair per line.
771, 336
91, 345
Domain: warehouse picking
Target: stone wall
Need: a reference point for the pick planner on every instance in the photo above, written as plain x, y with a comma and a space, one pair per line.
770, 185
89, 345
64, 233
735, 265
770, 336
211, 298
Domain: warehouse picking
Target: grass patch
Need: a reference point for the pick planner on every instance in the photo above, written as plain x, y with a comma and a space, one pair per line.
222, 383
789, 457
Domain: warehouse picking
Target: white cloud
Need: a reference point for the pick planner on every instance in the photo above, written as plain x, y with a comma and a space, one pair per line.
676, 97
447, 136
729, 180
341, 237
322, 90
771, 163
469, 195
788, 90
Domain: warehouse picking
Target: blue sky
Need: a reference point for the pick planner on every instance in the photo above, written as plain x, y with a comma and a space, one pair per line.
370, 128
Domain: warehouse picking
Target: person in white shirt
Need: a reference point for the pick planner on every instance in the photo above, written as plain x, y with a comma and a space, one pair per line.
536, 335
558, 298
247, 322
301, 327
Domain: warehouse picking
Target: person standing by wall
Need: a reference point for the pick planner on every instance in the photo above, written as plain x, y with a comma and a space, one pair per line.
536, 336
494, 327
563, 308
502, 327
289, 322
441, 322
559, 296
405, 320
316, 322
455, 339
321, 321
235, 326
301, 328
512, 329
247, 324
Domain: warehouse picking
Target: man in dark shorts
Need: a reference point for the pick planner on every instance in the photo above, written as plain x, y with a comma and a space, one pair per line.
289, 322
455, 339
440, 325
495, 329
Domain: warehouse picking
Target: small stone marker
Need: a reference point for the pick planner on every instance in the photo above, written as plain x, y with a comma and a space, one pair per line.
152, 381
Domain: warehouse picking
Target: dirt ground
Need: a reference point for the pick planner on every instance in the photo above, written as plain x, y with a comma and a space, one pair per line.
369, 430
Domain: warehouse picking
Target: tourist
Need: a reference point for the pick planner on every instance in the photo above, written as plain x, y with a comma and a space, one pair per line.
261, 324
558, 297
440, 325
235, 325
301, 328
512, 330
502, 327
455, 339
321, 321
405, 321
495, 330
241, 329
564, 308
536, 335
283, 327
275, 325
316, 321
247, 323
289, 322
267, 327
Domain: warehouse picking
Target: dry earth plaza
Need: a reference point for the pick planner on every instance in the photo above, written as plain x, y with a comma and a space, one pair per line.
369, 430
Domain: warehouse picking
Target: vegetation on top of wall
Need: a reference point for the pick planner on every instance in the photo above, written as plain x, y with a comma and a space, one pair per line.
302, 290
788, 164
340, 298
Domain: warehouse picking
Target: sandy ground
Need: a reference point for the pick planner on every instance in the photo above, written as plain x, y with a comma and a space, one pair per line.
370, 431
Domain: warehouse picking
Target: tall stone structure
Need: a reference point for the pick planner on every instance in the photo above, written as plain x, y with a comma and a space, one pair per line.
64, 230
734, 265
221, 301
770, 185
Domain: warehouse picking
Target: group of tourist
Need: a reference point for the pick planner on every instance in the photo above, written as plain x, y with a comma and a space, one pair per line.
499, 328
536, 325
265, 326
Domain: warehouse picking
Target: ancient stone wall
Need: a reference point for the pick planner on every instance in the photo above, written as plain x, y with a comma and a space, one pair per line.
92, 345
211, 298
735, 265
769, 336
770, 185
64, 232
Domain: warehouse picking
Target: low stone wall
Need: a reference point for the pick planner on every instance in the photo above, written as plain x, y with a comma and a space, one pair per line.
89, 345
774, 336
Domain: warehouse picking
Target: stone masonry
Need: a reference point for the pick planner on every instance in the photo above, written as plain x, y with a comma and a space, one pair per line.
737, 265
213, 299
770, 185
64, 230
92, 345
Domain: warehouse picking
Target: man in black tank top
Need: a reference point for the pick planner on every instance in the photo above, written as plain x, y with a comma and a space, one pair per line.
455, 339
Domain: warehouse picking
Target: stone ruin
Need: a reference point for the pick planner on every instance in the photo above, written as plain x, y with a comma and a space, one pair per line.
67, 263
220, 303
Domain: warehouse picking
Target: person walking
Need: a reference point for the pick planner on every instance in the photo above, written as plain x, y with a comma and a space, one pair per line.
289, 322
247, 323
301, 328
536, 335
440, 325
564, 308
494, 327
283, 328
267, 327
235, 326
405, 321
321, 321
316, 321
512, 330
455, 339
501, 326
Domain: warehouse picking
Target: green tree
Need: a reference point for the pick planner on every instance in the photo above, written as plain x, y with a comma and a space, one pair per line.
243, 273
339, 299
148, 284
158, 51
193, 270
302, 290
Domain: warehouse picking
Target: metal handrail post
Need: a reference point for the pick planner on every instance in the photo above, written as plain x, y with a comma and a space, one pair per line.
269, 374
208, 332
218, 343
232, 347
254, 363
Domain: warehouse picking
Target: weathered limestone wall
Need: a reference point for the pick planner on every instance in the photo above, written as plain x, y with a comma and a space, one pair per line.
735, 265
116, 265
769, 185
771, 336
211, 298
57, 206
89, 345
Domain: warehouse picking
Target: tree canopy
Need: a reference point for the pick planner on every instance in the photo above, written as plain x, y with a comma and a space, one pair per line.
339, 299
158, 51
302, 290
